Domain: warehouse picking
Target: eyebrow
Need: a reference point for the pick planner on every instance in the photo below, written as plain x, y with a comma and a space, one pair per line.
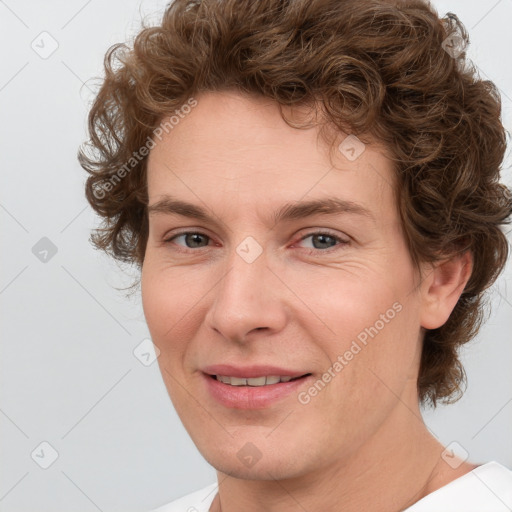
289, 211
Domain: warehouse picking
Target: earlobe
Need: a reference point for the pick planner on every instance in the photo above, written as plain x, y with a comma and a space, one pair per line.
442, 288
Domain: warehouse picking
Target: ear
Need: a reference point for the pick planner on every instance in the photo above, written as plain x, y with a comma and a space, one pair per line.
442, 287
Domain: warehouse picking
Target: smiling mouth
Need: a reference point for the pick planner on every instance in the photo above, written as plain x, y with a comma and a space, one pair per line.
266, 380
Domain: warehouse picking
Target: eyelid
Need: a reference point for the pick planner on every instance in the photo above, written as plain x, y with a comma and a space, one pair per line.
319, 231
324, 231
170, 236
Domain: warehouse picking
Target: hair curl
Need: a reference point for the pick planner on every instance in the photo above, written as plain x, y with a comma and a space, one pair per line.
377, 67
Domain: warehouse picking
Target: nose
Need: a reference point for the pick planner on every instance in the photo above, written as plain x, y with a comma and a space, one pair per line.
248, 298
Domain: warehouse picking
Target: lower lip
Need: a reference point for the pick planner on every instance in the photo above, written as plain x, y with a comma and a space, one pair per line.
251, 397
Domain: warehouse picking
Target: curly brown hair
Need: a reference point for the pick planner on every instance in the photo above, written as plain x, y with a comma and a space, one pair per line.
377, 67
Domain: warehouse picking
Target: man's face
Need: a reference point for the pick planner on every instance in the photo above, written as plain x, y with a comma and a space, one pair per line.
329, 298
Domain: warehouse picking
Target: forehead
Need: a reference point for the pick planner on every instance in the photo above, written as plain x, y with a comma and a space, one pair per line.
238, 148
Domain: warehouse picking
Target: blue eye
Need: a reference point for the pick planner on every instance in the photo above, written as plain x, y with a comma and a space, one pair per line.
322, 236
189, 236
193, 241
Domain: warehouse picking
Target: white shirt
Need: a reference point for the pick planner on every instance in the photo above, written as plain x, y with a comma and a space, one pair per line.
488, 488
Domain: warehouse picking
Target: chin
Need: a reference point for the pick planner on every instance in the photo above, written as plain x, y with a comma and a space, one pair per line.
250, 463
265, 471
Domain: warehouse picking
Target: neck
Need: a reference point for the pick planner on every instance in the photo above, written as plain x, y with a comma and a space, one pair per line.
400, 464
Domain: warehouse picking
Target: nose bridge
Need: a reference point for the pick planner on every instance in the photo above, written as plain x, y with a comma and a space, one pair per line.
243, 298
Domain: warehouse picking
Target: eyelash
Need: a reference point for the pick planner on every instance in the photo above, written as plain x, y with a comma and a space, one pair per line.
309, 251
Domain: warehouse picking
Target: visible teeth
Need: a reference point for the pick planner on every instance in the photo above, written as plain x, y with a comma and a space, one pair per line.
257, 381
254, 381
235, 381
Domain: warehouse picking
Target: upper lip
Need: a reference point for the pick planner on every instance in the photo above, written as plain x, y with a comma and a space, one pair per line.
250, 371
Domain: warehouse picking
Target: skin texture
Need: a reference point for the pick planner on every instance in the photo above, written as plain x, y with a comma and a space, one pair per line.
299, 305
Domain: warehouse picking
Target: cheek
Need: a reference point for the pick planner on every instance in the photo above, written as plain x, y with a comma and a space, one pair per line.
165, 301
368, 379
383, 361
166, 304
373, 335
166, 297
174, 301
353, 306
154, 300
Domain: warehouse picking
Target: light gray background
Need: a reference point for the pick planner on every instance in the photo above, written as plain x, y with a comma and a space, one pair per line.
68, 374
